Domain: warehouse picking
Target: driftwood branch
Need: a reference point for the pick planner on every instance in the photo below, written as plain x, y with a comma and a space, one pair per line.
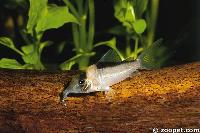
165, 98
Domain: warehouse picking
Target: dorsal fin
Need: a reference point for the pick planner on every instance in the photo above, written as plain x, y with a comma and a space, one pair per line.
110, 57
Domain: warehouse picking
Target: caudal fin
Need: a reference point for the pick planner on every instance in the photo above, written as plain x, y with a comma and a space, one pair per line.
154, 56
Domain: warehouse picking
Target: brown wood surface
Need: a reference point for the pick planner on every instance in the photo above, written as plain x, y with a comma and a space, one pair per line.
164, 98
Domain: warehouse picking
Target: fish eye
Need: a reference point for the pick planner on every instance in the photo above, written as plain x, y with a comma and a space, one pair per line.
81, 82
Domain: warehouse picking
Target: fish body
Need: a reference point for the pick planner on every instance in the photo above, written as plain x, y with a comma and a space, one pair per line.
112, 75
100, 79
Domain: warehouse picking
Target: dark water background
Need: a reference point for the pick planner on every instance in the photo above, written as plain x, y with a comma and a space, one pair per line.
175, 17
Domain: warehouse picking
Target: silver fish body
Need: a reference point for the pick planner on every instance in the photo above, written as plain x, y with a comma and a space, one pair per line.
112, 75
95, 79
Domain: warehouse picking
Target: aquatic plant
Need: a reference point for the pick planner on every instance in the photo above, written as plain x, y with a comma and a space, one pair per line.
42, 16
137, 20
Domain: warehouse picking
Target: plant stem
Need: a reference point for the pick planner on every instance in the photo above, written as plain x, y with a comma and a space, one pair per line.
82, 26
75, 30
19, 52
135, 49
152, 21
119, 53
75, 36
128, 48
38, 65
114, 48
91, 24
71, 7
83, 45
83, 63
82, 29
135, 52
83, 41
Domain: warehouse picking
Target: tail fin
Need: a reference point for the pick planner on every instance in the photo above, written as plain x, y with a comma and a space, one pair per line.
154, 56
158, 54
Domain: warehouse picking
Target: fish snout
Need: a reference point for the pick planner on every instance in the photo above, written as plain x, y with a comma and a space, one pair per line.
64, 94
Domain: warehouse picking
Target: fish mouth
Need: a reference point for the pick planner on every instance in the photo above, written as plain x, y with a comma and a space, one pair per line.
64, 95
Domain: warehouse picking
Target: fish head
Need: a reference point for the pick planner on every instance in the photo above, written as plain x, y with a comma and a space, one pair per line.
78, 84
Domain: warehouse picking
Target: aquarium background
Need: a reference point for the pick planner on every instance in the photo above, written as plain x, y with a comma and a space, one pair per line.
177, 20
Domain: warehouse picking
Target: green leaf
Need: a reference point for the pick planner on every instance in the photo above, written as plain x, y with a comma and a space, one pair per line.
60, 47
124, 12
140, 7
139, 26
43, 16
32, 56
38, 9
111, 43
43, 45
29, 66
130, 14
10, 63
55, 17
67, 65
9, 43
27, 49
118, 30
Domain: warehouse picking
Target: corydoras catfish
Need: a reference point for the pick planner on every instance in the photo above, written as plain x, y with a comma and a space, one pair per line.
100, 79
